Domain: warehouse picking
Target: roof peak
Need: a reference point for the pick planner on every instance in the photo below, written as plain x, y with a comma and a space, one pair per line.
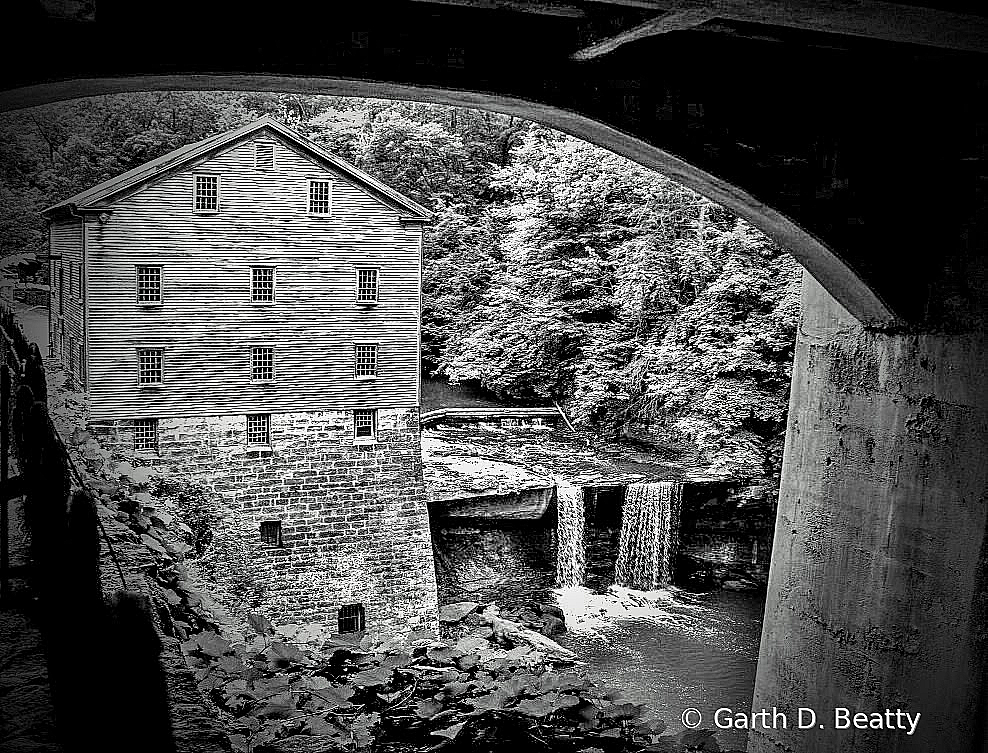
109, 190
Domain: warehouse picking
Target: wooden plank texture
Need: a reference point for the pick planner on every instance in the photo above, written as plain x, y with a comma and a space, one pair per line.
206, 323
66, 241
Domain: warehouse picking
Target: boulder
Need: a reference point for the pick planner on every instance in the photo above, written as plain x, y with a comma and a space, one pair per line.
525, 615
739, 585
152, 543
450, 613
507, 632
552, 609
552, 626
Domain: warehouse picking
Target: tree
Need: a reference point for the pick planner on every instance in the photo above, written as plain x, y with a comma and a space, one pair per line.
644, 308
555, 271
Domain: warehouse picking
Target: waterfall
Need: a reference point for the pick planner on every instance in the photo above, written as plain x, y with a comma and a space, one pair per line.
571, 557
650, 519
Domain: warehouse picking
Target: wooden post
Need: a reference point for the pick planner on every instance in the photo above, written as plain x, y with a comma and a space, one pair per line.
34, 374
76, 622
23, 401
4, 473
81, 558
47, 489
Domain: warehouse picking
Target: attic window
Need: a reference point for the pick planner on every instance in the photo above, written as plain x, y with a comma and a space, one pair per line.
264, 156
320, 196
207, 193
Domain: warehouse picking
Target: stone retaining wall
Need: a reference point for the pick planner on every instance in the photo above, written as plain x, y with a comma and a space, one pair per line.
504, 562
353, 518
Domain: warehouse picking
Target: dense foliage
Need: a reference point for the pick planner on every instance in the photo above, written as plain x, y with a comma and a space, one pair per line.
477, 692
555, 271
631, 300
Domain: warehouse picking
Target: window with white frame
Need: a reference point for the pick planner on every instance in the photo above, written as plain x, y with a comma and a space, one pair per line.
262, 364
148, 284
262, 284
320, 196
264, 155
71, 277
367, 285
365, 424
365, 361
207, 193
146, 434
149, 366
259, 430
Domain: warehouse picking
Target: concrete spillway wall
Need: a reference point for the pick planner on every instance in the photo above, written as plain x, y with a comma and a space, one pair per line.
504, 546
351, 522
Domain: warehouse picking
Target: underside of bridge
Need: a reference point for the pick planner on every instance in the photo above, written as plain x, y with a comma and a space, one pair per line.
855, 133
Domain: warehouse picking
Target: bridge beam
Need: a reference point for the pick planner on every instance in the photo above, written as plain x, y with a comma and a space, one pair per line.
866, 158
878, 589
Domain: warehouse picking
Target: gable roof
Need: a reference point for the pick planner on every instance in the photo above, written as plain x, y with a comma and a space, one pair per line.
103, 194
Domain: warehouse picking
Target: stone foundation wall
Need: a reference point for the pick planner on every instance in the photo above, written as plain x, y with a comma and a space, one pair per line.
355, 528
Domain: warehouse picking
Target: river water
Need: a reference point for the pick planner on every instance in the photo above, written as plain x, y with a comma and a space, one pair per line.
669, 649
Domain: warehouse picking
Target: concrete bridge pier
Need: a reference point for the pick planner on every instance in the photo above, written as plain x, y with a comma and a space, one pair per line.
878, 590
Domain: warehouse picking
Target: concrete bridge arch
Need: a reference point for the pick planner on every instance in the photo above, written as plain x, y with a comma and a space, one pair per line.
845, 131
843, 282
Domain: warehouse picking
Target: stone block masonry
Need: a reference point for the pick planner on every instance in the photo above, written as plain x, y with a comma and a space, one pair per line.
353, 517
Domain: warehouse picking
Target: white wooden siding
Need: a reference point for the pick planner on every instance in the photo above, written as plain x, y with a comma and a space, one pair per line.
207, 323
65, 240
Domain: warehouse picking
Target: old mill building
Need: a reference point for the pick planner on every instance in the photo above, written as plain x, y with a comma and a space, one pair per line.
245, 312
